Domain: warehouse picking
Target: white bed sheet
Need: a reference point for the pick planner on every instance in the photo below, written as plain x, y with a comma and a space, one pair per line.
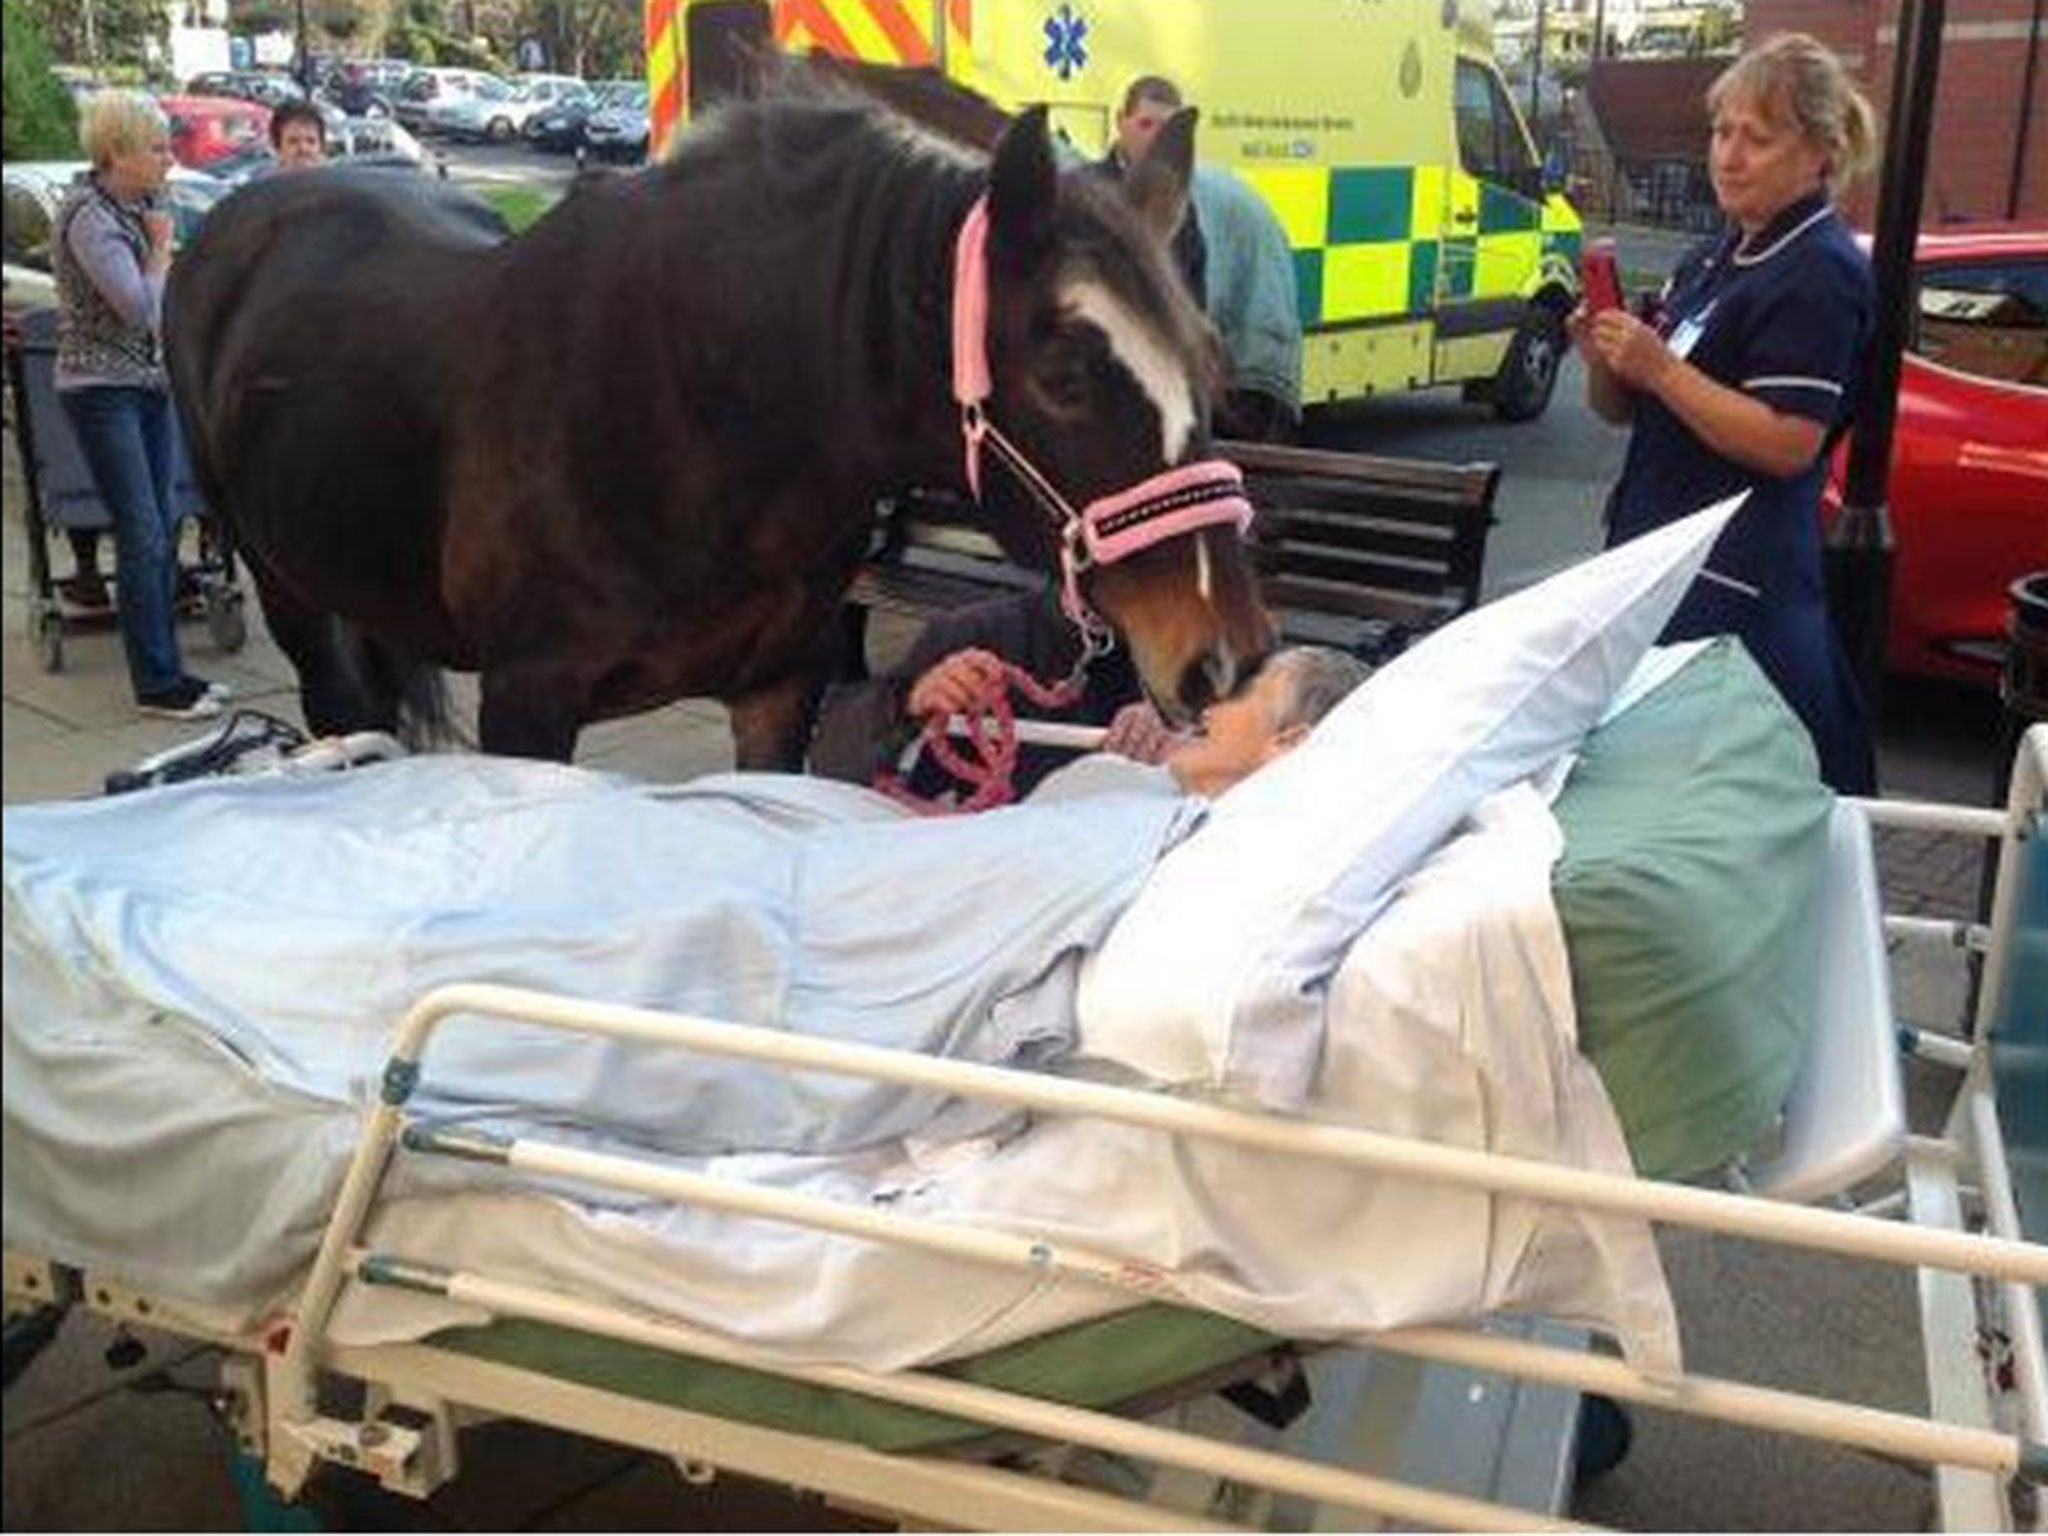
1450, 1020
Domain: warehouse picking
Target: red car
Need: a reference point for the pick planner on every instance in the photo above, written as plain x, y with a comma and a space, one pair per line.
1969, 479
209, 128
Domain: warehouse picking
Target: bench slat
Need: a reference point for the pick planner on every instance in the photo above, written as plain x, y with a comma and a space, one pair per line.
1409, 609
1350, 567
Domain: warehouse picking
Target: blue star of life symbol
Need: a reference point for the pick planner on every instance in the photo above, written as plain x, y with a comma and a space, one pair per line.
1066, 42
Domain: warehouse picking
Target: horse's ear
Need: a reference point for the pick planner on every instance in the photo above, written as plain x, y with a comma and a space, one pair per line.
1158, 184
1023, 185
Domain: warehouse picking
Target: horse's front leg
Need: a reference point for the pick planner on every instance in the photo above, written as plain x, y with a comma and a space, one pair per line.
771, 727
530, 711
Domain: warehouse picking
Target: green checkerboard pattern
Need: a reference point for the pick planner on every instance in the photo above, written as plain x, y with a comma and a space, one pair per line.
1368, 240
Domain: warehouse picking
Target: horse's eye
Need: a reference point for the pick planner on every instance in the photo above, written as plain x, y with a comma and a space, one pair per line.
1061, 379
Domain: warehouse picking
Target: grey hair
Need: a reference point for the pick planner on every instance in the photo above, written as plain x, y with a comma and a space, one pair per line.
1317, 679
113, 123
1799, 81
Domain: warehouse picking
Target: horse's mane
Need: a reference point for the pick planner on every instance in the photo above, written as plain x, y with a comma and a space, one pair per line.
925, 95
816, 154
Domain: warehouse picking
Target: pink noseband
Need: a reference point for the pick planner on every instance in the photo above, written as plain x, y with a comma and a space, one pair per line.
1109, 528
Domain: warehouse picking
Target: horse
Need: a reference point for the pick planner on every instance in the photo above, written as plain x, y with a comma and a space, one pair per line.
633, 454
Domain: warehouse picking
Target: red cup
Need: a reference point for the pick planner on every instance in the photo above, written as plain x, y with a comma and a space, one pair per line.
1600, 277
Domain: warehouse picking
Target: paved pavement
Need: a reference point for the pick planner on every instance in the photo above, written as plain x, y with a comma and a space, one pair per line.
135, 1448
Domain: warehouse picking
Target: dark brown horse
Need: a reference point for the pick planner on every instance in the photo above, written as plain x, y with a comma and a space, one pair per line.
632, 454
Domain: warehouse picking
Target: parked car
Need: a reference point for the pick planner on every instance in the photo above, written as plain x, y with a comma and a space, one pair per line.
33, 192
450, 108
426, 89
209, 128
215, 82
560, 127
489, 115
1968, 492
619, 131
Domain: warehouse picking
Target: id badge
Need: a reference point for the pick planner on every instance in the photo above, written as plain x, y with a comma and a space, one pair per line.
1686, 334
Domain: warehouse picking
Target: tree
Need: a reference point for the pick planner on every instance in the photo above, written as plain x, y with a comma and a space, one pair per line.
587, 37
37, 118
103, 33
1720, 29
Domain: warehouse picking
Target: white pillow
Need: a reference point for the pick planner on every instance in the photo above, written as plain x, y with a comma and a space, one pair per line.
1213, 978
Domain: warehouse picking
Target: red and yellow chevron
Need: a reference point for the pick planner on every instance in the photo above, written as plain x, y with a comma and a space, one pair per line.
878, 31
667, 80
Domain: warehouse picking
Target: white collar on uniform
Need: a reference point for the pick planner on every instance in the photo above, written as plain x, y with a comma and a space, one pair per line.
1744, 258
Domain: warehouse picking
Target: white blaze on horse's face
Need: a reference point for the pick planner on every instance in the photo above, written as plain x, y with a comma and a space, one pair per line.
1145, 357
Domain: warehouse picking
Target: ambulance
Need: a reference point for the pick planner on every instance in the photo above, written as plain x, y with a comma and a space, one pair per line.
1428, 247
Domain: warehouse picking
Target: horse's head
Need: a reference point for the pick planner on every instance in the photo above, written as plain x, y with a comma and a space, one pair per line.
1098, 379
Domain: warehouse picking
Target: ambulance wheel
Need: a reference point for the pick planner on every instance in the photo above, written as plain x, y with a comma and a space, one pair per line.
1528, 373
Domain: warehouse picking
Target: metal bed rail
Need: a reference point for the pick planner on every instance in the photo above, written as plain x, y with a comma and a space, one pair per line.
1973, 1458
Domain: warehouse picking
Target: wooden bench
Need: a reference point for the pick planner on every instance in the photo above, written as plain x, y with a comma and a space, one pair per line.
1352, 550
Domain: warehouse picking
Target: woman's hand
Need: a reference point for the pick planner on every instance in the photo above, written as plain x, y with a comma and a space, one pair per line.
1605, 393
1630, 350
956, 683
156, 223
1138, 732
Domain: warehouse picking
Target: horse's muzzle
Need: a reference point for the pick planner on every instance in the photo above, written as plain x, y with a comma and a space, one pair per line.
1211, 676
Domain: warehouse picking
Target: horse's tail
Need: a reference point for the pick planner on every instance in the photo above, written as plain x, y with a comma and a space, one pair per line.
409, 694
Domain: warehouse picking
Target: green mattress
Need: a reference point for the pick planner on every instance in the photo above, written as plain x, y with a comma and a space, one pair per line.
1695, 835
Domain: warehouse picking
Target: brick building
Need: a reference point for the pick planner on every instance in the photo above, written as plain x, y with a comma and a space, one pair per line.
1988, 158
1640, 148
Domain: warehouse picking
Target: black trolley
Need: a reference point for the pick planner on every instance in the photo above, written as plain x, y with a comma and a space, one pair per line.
62, 499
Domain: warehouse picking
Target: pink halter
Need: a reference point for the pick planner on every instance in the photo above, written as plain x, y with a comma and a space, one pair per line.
1167, 504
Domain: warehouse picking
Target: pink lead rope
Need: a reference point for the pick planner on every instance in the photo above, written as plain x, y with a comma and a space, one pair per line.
985, 771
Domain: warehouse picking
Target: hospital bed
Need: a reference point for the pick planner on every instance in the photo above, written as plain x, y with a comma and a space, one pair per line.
967, 1444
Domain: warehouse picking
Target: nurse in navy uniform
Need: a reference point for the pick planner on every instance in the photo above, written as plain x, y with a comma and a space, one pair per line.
1749, 377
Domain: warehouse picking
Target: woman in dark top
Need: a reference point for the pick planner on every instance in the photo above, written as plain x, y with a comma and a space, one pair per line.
1750, 375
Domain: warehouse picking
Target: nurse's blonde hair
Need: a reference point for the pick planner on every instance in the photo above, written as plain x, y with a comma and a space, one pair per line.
1798, 81
114, 123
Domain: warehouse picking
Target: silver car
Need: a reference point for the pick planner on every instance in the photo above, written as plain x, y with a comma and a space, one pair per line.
498, 117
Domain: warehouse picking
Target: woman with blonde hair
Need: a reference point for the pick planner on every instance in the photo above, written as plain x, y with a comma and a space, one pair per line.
111, 250
1750, 376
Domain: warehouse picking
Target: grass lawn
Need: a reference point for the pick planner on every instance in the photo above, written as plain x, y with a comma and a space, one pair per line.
519, 206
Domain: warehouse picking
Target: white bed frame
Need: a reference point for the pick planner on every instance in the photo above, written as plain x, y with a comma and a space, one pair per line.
1951, 1217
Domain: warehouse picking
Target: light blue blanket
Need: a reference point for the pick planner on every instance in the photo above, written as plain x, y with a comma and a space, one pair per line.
292, 921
